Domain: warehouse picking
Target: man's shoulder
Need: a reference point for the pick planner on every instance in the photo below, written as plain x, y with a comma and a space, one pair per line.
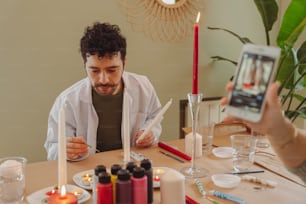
135, 78
77, 88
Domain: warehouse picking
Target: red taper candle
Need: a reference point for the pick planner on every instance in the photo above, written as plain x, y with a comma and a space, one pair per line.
195, 56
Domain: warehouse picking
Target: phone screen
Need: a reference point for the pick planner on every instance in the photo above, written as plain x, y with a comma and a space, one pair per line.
251, 82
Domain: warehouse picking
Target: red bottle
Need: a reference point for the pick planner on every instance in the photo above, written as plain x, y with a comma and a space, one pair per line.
139, 186
104, 189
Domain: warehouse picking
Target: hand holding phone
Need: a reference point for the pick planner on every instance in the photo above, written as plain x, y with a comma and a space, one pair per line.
254, 73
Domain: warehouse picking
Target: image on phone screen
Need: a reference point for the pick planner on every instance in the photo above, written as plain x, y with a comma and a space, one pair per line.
251, 82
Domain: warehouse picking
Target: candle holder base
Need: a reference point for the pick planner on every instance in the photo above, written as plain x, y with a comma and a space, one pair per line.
192, 173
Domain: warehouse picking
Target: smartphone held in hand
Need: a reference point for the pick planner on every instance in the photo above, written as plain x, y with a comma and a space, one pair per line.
255, 71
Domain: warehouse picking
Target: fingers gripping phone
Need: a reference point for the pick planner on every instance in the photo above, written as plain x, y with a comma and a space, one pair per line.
255, 71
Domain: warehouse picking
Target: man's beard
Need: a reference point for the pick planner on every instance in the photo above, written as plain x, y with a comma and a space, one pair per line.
107, 89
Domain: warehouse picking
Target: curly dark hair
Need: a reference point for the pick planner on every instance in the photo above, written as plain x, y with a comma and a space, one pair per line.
102, 39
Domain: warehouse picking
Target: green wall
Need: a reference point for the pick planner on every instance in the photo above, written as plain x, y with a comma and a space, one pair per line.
39, 57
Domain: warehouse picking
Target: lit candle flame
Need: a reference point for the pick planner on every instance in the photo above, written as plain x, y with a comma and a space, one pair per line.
159, 171
156, 178
198, 17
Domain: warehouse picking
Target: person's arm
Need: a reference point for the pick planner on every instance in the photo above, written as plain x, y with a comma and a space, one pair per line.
288, 142
76, 147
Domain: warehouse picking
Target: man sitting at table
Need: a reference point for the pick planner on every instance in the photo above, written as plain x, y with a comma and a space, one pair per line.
94, 105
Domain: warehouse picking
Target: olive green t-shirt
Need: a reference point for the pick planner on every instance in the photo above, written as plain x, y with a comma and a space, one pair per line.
109, 111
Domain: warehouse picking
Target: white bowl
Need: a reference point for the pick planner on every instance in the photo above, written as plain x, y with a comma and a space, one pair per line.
223, 152
226, 180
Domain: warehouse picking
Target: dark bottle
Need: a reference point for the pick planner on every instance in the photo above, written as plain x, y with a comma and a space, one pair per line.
139, 186
123, 187
104, 189
146, 164
130, 166
114, 170
98, 169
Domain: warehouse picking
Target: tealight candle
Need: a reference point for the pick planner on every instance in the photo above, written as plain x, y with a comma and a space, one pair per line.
156, 178
87, 179
63, 197
159, 171
53, 191
68, 198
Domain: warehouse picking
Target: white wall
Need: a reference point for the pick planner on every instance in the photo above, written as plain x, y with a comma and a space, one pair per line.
39, 57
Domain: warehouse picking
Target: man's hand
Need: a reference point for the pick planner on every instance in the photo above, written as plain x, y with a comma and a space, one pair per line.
147, 141
76, 147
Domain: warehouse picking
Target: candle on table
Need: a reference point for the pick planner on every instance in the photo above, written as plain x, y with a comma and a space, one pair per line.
62, 162
156, 120
189, 144
126, 132
195, 56
172, 187
87, 179
63, 197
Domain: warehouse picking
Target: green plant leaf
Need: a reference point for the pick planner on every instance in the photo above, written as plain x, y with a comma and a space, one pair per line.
299, 97
294, 21
286, 69
219, 58
301, 53
268, 10
242, 39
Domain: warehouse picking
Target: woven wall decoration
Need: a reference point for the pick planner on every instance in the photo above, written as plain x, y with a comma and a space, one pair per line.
161, 21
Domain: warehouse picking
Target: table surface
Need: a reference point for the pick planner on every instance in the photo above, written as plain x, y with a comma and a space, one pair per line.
40, 175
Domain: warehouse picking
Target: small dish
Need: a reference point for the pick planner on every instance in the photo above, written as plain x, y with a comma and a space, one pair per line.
157, 174
79, 179
226, 180
41, 196
223, 152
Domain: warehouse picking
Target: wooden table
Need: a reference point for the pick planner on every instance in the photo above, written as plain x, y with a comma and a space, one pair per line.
40, 175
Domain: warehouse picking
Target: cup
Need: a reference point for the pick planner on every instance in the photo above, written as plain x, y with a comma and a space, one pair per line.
244, 151
207, 133
12, 179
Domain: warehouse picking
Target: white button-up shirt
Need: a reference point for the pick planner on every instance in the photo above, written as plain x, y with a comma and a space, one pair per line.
82, 119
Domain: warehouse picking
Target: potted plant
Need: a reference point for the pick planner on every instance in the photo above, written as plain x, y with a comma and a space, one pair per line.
291, 70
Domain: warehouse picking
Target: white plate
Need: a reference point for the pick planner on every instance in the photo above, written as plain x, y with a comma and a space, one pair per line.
77, 178
40, 197
223, 152
225, 180
158, 172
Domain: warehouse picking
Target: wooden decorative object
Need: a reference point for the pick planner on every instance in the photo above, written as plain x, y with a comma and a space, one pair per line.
161, 21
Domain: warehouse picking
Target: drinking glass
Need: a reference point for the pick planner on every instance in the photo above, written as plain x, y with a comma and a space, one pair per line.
12, 179
244, 151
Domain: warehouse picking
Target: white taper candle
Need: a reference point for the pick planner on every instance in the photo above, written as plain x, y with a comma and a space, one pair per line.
62, 162
126, 132
156, 120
